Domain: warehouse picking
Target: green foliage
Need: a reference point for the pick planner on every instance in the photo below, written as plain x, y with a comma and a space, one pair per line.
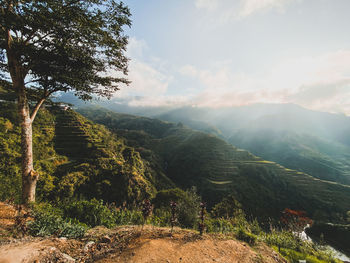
245, 236
70, 45
229, 207
190, 158
282, 239
128, 217
294, 249
318, 257
48, 221
105, 169
219, 225
187, 206
162, 217
93, 213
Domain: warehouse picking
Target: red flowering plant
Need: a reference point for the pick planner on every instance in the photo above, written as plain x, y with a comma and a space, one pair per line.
295, 221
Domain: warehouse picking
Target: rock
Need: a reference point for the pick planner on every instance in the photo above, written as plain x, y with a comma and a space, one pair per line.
106, 239
62, 239
88, 245
67, 258
52, 249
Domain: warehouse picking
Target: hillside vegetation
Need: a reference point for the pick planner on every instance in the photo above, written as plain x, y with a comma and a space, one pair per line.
316, 143
74, 157
191, 158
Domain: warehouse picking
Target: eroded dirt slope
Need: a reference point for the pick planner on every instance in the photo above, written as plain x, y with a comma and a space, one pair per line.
128, 244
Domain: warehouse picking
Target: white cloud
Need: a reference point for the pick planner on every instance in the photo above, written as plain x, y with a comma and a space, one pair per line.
320, 83
207, 4
147, 80
136, 47
145, 73
249, 7
227, 10
158, 101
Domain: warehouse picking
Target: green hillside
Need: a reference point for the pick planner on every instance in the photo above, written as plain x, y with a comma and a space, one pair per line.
313, 142
321, 158
137, 156
216, 168
75, 158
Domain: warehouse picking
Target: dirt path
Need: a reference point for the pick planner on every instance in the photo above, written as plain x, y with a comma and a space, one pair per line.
128, 244
131, 245
7, 219
186, 247
23, 251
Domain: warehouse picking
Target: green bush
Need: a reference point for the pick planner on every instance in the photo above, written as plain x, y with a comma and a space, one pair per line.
294, 249
93, 213
128, 217
219, 225
295, 256
161, 217
245, 236
282, 239
187, 205
47, 222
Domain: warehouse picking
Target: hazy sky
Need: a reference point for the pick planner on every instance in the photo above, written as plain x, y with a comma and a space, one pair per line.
237, 52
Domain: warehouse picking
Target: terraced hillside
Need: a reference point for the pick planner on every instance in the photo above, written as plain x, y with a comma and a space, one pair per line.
216, 168
324, 159
313, 142
75, 158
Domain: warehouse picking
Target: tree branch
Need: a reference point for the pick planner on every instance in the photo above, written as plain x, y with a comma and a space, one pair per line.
36, 108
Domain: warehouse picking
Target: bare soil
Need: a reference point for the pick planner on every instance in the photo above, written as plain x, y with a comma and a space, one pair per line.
130, 244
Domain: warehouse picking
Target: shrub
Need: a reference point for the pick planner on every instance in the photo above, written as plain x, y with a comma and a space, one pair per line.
229, 207
161, 217
187, 205
47, 221
128, 217
93, 213
246, 236
283, 239
219, 225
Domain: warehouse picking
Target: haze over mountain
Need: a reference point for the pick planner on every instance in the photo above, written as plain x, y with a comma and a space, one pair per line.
216, 168
317, 143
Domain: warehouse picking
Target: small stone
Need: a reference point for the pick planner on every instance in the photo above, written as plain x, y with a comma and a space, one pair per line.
68, 258
106, 239
88, 245
62, 239
52, 249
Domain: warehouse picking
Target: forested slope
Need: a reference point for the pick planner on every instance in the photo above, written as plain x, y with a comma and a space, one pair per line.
216, 168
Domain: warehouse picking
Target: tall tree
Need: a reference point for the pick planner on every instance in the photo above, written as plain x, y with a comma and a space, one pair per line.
60, 45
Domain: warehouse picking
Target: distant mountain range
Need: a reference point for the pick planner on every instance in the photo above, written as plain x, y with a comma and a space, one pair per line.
313, 142
316, 143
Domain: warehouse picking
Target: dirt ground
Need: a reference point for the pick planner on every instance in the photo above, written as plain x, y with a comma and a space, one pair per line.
7, 220
129, 244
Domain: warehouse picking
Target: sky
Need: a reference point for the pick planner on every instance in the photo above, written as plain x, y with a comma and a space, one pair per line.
223, 53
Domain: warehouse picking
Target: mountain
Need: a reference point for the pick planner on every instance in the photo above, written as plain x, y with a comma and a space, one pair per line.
313, 142
193, 158
74, 157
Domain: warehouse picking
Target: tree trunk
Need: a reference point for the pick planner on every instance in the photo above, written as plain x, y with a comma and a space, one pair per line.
29, 176
18, 74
